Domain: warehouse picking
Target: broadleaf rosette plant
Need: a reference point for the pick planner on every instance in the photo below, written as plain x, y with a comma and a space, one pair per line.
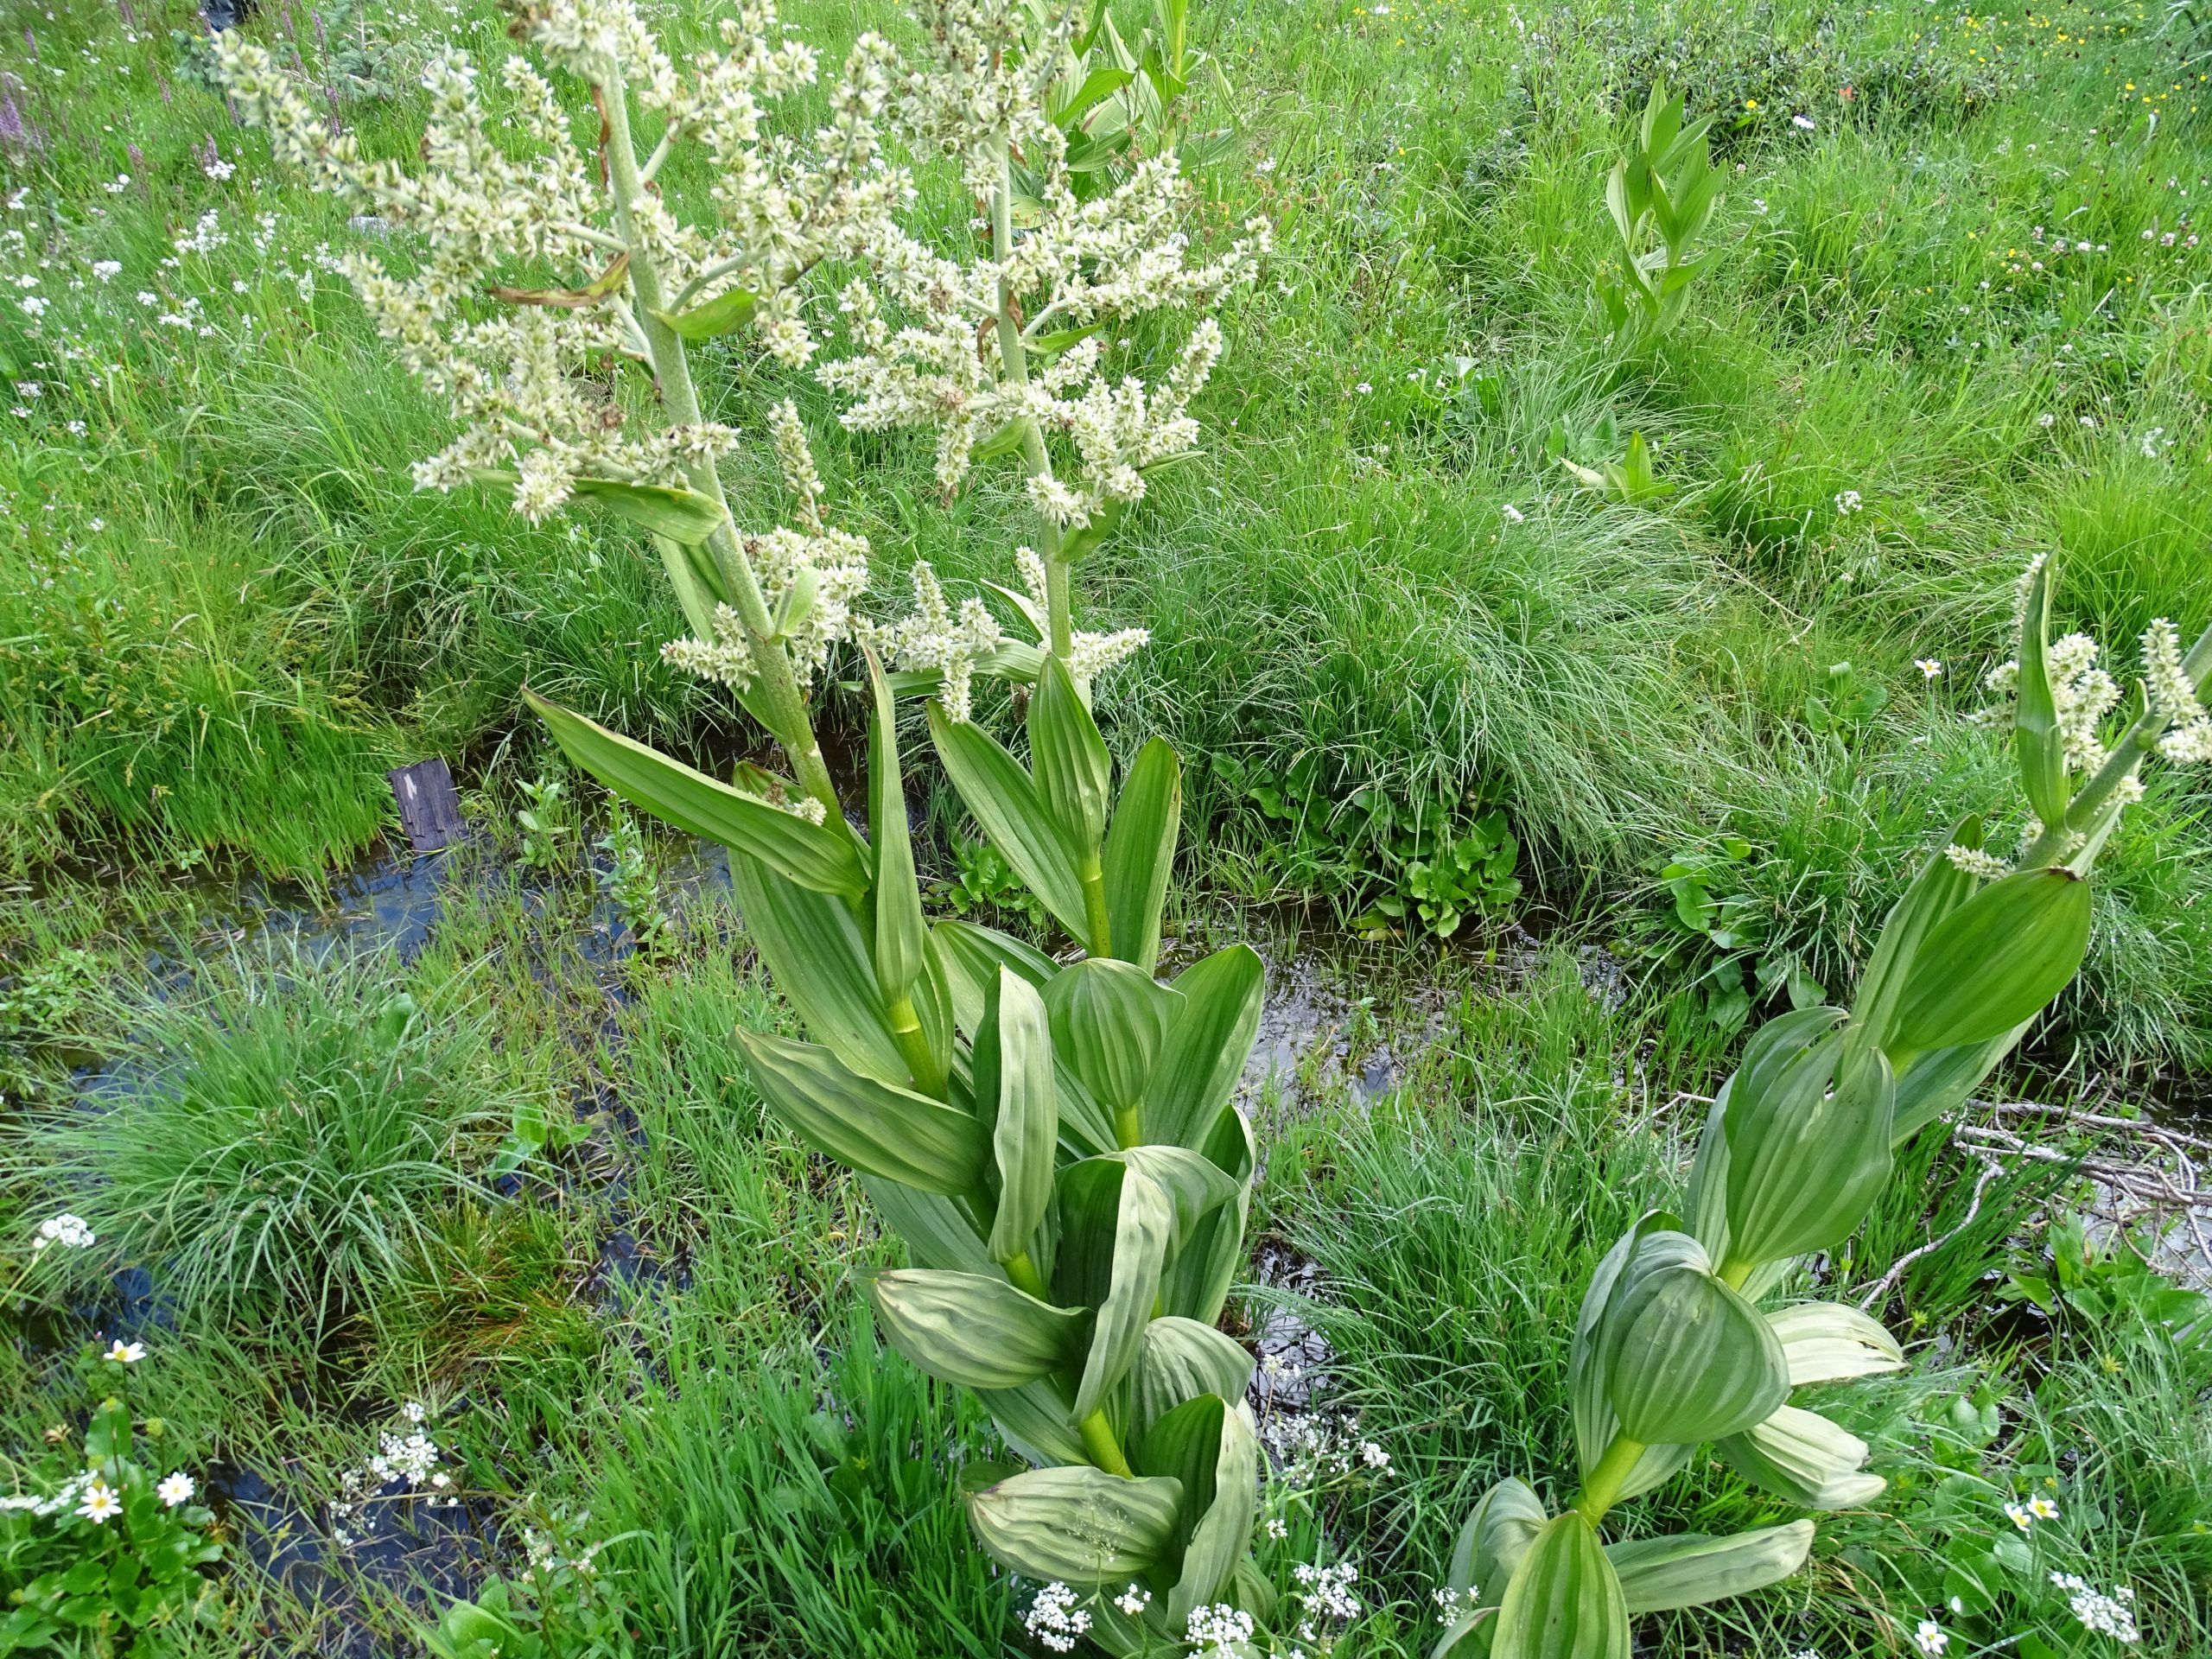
1673, 1350
1055, 1141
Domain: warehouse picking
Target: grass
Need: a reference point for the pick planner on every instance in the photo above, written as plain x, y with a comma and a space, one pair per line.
225, 613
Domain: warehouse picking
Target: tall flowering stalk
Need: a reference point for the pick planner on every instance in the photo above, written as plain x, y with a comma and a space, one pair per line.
1056, 1142
1672, 1350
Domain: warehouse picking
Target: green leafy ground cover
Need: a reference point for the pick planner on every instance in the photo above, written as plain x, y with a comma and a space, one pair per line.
223, 612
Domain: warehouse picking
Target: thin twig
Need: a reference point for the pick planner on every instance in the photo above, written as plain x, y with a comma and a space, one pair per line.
1888, 1281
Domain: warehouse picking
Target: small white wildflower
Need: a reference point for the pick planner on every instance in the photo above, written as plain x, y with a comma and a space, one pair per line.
1277, 1527
1055, 1620
1804, 122
2043, 1509
2046, 420
1931, 1638
1374, 1456
1513, 515
1218, 1628
32, 305
1930, 667
125, 1353
1847, 502
1134, 1600
415, 1411
101, 1504
2110, 1615
1364, 388
67, 1230
176, 1489
2018, 1516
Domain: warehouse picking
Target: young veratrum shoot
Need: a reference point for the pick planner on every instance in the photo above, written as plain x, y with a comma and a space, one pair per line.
1055, 1143
1672, 1350
1661, 196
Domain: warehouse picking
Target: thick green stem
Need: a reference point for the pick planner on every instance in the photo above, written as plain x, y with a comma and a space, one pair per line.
1093, 877
1603, 1489
915, 1047
1023, 1272
1013, 367
1735, 1271
1098, 1439
1127, 1132
779, 684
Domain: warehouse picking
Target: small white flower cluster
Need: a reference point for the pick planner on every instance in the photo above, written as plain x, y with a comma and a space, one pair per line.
543, 1550
1218, 1629
1449, 1602
1132, 1601
409, 1459
2082, 692
1847, 502
67, 1230
1054, 1620
1985, 867
2110, 1615
1329, 1603
2024, 1515
1310, 1445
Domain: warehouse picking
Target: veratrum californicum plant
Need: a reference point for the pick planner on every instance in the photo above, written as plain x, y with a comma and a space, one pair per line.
1671, 1350
1056, 1142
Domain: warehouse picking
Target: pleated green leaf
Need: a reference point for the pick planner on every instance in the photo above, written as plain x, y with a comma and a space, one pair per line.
937, 1234
1809, 1150
1594, 1422
1208, 1445
729, 311
1182, 1360
1074, 772
812, 945
1140, 852
1115, 1226
680, 515
973, 955
1802, 1456
823, 858
1212, 1254
1498, 1533
1014, 1062
1077, 1525
1940, 888
1686, 1359
1035, 1421
1207, 1047
1110, 1022
1829, 1342
1994, 962
1003, 799
1691, 1568
977, 1332
1941, 1079
873, 1127
1564, 1601
900, 932
698, 587
2038, 742
1195, 1186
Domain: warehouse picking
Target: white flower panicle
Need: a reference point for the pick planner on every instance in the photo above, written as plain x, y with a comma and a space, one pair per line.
1132, 1601
934, 636
2188, 740
982, 91
2082, 693
1055, 1620
516, 288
